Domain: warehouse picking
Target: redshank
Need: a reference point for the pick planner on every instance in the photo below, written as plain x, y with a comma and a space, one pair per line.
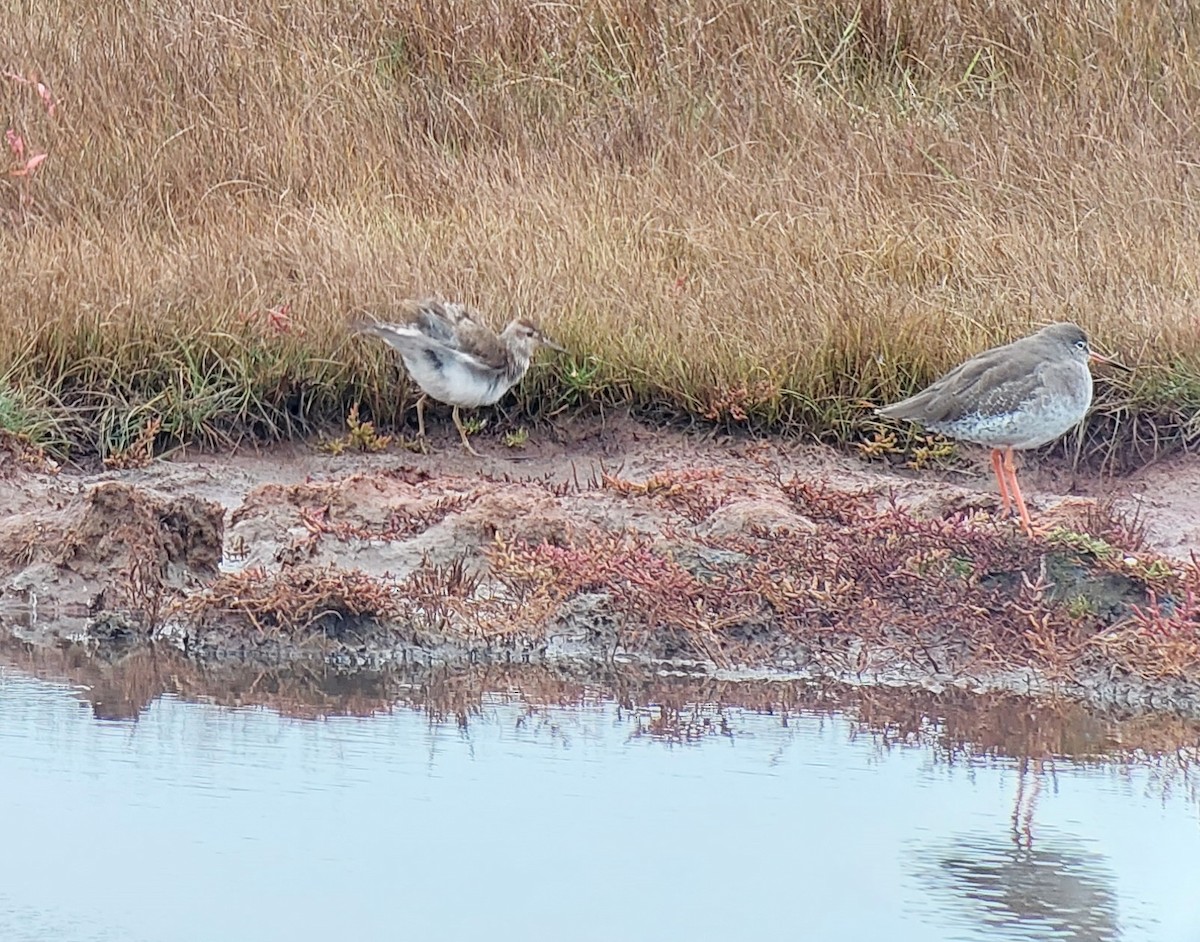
457, 360
1022, 395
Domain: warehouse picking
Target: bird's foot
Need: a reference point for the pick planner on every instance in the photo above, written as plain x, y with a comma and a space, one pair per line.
418, 445
467, 428
1013, 514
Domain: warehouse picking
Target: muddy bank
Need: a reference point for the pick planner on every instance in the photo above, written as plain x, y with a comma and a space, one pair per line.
623, 546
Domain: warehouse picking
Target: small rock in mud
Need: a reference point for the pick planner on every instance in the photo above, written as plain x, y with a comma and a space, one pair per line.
761, 514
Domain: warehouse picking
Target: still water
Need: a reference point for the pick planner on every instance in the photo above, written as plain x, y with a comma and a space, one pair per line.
590, 819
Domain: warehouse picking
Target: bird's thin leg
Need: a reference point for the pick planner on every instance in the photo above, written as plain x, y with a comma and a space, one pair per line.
998, 467
463, 432
421, 416
1011, 468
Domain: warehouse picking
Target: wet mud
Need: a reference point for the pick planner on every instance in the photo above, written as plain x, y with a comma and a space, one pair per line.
617, 548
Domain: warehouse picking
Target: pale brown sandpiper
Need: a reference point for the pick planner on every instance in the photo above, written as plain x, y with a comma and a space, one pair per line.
456, 359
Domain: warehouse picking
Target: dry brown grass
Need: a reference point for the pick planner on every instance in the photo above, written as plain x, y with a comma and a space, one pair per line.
850, 196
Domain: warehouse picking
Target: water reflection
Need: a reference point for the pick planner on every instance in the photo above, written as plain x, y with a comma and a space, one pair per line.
1059, 889
524, 803
682, 709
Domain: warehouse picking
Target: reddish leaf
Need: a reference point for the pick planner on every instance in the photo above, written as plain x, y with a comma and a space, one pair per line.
30, 165
47, 99
43, 91
15, 143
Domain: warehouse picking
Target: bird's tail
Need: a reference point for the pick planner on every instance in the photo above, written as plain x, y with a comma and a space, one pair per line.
914, 408
399, 336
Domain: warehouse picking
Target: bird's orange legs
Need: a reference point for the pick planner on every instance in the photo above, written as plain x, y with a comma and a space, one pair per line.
1015, 490
1010, 490
998, 467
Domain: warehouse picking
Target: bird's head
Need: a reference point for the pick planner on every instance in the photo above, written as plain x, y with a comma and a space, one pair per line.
1074, 340
526, 337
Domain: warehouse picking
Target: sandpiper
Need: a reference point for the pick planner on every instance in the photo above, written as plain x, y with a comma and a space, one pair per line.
1022, 395
457, 360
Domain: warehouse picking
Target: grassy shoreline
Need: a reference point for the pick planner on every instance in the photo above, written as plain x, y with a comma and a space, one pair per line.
762, 214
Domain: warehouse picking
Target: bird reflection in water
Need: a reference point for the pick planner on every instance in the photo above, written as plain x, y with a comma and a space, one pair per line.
1057, 889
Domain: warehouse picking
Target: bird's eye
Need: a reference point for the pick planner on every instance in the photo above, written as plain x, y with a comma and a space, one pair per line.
1081, 344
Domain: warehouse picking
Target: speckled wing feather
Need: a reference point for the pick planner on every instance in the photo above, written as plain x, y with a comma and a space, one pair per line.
456, 327
994, 382
436, 321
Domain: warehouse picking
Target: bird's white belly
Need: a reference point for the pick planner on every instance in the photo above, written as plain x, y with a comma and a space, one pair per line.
455, 383
1029, 424
1011, 430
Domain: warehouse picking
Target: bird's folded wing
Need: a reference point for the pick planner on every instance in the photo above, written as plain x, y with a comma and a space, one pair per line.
984, 385
482, 343
409, 339
438, 320
456, 326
